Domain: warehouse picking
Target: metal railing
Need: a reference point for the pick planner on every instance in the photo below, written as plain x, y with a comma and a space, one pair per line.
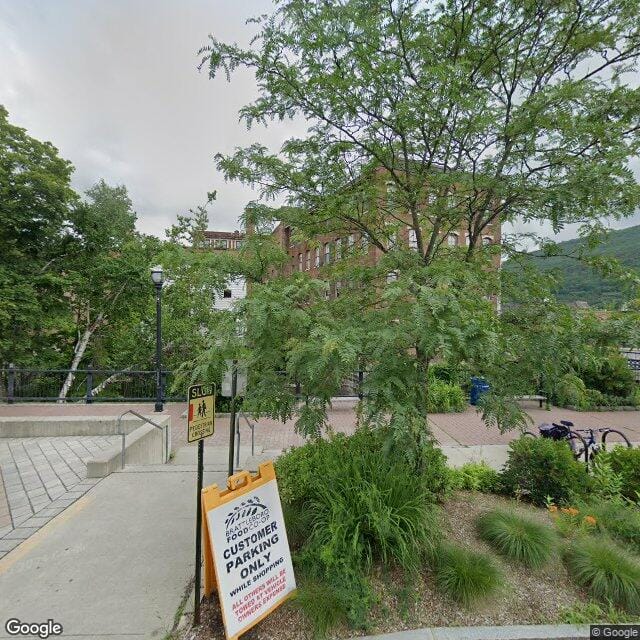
633, 358
164, 428
89, 385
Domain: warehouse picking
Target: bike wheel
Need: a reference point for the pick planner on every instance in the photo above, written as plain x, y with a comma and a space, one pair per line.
578, 446
612, 438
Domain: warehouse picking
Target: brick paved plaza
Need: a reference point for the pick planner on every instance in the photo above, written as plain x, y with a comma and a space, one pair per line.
40, 478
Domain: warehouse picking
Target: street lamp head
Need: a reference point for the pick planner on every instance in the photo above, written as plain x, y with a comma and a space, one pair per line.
157, 276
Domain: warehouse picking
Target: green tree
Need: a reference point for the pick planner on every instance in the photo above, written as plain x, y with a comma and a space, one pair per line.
472, 113
35, 202
107, 274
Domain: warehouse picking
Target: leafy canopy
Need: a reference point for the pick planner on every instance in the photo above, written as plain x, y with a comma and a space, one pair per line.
422, 119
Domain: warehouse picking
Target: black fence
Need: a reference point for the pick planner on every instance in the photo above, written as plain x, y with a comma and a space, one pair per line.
88, 385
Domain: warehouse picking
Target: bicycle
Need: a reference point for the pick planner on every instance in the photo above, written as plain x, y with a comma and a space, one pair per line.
607, 435
562, 431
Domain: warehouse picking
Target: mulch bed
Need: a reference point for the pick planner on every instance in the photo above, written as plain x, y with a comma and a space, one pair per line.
528, 597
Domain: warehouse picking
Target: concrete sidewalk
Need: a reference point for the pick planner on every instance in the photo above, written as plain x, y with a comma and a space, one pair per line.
516, 632
116, 563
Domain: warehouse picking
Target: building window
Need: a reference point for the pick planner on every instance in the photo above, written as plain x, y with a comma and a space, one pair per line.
364, 243
219, 243
238, 244
413, 239
308, 260
317, 257
452, 239
299, 262
392, 194
327, 252
487, 240
351, 240
226, 293
338, 287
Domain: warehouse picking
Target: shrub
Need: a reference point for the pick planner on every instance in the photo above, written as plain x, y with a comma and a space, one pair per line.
517, 538
571, 521
609, 573
598, 399
626, 463
322, 606
593, 613
353, 501
611, 376
475, 476
540, 468
464, 575
619, 520
571, 391
444, 397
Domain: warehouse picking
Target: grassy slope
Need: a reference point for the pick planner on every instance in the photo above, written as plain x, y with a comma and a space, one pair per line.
580, 282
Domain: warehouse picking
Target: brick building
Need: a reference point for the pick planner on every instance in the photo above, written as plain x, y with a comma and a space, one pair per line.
310, 256
224, 240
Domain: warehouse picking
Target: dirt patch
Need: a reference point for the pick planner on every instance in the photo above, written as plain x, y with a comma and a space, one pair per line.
528, 597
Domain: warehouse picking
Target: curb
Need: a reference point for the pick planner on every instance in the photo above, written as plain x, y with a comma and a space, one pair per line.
516, 632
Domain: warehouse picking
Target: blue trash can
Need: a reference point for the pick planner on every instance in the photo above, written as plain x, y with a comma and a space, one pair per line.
479, 386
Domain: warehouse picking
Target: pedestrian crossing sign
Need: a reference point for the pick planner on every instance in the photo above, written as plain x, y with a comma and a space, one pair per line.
201, 412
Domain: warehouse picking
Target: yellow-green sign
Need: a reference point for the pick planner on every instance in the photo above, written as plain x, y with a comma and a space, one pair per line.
202, 408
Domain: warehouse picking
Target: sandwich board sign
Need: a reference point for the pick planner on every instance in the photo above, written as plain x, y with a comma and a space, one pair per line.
246, 551
201, 412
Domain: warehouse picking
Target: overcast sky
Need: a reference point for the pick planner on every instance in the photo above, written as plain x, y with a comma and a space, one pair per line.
114, 85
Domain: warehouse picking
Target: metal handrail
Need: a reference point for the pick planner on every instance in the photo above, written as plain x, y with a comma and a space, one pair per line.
164, 428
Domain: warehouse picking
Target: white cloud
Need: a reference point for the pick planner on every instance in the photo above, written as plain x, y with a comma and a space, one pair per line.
114, 85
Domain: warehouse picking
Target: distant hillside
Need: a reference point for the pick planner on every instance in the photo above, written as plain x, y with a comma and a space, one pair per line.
580, 282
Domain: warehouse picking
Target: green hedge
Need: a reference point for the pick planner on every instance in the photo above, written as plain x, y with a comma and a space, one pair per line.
538, 468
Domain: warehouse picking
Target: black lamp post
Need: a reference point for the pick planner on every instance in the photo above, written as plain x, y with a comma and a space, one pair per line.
157, 277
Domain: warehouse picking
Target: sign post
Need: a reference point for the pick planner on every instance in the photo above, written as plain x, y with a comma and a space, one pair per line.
246, 554
200, 425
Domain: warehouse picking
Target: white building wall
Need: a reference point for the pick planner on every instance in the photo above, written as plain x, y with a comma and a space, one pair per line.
238, 288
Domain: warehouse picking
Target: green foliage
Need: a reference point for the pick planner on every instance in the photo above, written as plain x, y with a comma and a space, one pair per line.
322, 605
373, 161
606, 484
464, 575
594, 613
347, 510
571, 391
626, 463
606, 570
611, 376
516, 537
618, 519
540, 468
35, 203
444, 397
474, 476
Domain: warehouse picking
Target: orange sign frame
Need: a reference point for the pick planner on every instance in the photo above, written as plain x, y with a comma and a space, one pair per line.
237, 485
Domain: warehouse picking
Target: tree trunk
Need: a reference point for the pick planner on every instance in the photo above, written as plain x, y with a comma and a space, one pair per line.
106, 382
81, 347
